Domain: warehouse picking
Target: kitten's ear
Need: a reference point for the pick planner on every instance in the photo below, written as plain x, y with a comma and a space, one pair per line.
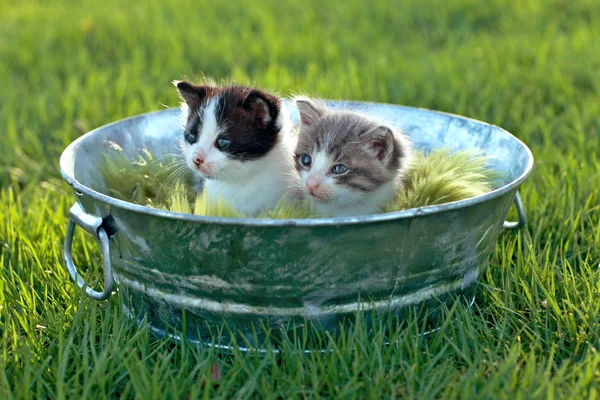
382, 142
309, 111
262, 106
192, 94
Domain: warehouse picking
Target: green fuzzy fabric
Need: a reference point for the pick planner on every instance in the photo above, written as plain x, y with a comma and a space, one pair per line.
441, 176
144, 180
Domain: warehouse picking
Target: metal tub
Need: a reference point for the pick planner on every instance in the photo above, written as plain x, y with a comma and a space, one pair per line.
249, 272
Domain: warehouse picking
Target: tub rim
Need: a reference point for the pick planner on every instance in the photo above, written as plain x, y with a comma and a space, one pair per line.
70, 151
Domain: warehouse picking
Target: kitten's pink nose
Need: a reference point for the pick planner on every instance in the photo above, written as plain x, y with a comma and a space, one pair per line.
312, 189
199, 160
312, 185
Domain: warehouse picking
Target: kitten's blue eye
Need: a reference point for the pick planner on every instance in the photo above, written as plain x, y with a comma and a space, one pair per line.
339, 169
306, 160
191, 138
222, 143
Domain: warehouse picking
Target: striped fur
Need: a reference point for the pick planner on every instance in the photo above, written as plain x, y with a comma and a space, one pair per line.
374, 154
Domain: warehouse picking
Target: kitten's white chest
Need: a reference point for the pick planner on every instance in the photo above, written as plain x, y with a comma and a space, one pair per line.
268, 181
250, 198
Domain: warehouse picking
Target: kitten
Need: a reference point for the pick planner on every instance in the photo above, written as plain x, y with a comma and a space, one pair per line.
238, 139
348, 163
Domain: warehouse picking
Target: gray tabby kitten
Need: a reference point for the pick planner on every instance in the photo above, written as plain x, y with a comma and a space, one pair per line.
348, 163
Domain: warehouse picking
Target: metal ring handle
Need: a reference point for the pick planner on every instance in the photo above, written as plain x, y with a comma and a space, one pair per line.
93, 225
521, 212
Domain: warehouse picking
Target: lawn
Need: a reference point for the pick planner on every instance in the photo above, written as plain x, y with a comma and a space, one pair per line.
530, 67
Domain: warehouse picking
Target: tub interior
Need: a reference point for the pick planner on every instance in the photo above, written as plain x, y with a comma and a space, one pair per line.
160, 133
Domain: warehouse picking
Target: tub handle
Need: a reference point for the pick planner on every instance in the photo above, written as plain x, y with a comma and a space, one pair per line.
521, 212
93, 225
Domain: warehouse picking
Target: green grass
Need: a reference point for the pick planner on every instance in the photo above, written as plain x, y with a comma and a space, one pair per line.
530, 67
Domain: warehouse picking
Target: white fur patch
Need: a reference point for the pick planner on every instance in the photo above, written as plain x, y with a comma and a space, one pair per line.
183, 115
321, 163
254, 186
209, 122
214, 160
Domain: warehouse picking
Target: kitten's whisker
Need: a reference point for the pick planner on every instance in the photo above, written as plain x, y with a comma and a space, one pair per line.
183, 176
173, 158
173, 164
173, 176
178, 178
170, 167
168, 156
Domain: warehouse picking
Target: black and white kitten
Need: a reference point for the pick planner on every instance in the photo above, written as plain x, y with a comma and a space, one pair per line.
239, 140
349, 164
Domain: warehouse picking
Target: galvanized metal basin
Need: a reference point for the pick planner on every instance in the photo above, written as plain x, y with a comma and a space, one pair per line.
249, 272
